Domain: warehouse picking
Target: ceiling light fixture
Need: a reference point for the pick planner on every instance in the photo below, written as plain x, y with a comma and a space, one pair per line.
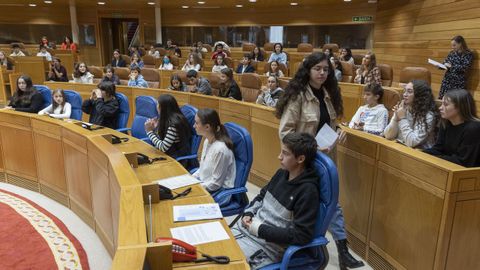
239, 6
47, 2
347, 0
201, 2
32, 5
293, 4
101, 3
252, 1
151, 3
185, 7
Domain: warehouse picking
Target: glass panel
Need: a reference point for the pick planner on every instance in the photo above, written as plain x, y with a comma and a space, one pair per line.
31, 33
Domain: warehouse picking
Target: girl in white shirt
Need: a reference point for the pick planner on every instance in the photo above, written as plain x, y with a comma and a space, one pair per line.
217, 164
373, 116
193, 62
166, 63
81, 74
219, 64
274, 70
59, 108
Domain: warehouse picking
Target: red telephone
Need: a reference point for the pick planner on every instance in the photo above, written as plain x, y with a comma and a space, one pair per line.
181, 251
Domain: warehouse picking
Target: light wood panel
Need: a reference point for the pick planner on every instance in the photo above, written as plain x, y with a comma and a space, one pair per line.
407, 33
32, 66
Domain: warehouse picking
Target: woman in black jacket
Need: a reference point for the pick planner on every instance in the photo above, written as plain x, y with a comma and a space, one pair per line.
26, 98
228, 87
102, 106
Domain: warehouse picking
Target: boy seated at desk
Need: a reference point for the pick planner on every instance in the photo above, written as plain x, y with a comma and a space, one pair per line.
285, 211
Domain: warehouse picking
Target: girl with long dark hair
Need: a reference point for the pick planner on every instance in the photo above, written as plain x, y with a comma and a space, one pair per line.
368, 72
26, 98
81, 74
228, 87
170, 133
59, 108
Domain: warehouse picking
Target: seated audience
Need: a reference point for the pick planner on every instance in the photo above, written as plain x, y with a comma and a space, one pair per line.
136, 61
26, 98
4, 61
176, 84
228, 87
274, 70
244, 66
346, 56
169, 45
458, 139
57, 73
217, 165
134, 50
59, 108
102, 106
415, 118
198, 84
218, 50
44, 53
200, 47
225, 46
166, 63
219, 64
81, 74
153, 52
373, 116
44, 42
68, 44
368, 72
192, 63
136, 79
16, 51
257, 55
328, 52
285, 212
278, 54
271, 93
109, 75
337, 67
196, 51
170, 132
117, 60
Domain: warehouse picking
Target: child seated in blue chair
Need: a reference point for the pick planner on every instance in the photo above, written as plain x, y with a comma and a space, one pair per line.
285, 211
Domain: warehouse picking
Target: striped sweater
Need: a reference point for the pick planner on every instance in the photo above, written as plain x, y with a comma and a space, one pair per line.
170, 138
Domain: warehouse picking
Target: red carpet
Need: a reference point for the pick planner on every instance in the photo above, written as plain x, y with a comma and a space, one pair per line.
32, 238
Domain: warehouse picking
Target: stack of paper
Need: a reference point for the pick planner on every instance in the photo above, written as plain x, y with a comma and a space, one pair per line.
196, 212
178, 181
437, 64
200, 233
326, 137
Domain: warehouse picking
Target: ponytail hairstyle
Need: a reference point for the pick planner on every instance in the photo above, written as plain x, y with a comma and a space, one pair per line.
54, 104
210, 117
24, 97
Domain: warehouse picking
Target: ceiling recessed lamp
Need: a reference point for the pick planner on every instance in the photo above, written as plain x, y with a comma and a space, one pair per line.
184, 6
239, 6
101, 3
47, 2
201, 2
151, 3
252, 1
32, 5
293, 4
347, 0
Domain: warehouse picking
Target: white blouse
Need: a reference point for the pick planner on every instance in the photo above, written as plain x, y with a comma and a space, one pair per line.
217, 68
86, 78
188, 67
217, 166
57, 113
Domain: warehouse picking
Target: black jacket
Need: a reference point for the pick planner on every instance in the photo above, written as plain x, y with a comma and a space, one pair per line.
34, 106
102, 113
121, 63
248, 69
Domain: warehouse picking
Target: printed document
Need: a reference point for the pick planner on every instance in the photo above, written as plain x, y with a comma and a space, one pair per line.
178, 181
200, 233
196, 212
326, 137
437, 64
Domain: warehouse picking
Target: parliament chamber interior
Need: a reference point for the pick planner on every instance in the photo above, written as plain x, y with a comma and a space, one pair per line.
239, 134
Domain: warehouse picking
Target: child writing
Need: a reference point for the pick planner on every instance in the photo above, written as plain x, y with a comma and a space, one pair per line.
59, 108
373, 116
285, 211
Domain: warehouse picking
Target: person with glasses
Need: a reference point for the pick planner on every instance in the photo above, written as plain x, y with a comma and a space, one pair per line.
368, 71
415, 118
313, 99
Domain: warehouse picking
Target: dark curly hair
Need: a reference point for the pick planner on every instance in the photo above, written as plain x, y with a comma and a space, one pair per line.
423, 103
299, 84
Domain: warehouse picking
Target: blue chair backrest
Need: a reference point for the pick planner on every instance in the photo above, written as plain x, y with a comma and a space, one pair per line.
145, 108
243, 151
189, 112
46, 94
123, 111
75, 100
327, 171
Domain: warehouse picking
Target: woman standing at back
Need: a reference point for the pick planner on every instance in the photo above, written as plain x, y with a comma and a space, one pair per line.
458, 62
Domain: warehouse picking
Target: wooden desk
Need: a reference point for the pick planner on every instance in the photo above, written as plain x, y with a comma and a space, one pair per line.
163, 221
83, 171
5, 92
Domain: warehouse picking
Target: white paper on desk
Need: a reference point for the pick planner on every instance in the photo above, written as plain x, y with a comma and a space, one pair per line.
326, 137
196, 212
437, 64
178, 181
200, 233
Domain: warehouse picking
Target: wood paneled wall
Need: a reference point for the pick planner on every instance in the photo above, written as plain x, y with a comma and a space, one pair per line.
408, 32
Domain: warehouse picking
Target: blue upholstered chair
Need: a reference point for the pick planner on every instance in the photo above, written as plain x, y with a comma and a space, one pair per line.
123, 111
189, 112
316, 254
46, 94
145, 108
75, 100
234, 200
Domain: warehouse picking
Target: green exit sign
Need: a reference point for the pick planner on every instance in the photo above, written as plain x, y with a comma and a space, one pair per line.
362, 18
